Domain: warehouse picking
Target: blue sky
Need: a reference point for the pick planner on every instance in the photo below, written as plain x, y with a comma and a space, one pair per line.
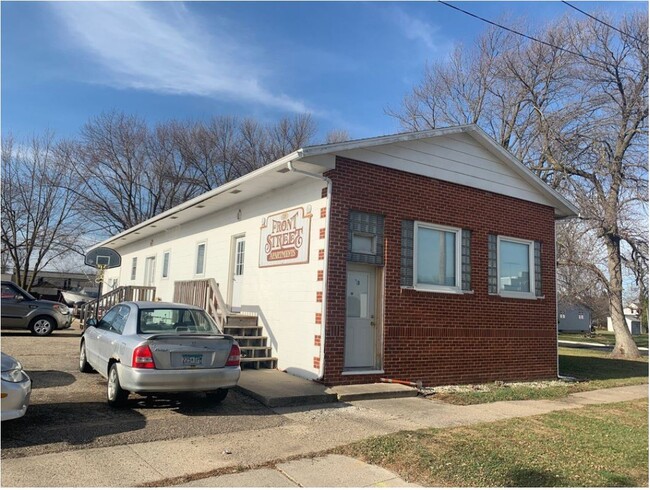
345, 62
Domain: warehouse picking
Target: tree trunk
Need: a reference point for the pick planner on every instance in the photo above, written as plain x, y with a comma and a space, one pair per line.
625, 346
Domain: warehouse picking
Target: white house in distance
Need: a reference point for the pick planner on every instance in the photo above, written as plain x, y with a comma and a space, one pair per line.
418, 256
632, 320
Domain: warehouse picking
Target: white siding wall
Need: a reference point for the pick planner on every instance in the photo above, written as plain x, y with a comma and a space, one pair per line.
456, 158
283, 296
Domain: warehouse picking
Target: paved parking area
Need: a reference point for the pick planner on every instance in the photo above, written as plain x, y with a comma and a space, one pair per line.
68, 408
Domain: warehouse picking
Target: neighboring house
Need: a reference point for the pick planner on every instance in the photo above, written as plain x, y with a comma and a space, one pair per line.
418, 256
49, 284
632, 320
573, 318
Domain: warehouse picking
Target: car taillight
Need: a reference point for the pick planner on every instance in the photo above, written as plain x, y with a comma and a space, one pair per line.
234, 357
143, 358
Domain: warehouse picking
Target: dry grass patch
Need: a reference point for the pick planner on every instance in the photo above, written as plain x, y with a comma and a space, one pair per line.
593, 369
602, 445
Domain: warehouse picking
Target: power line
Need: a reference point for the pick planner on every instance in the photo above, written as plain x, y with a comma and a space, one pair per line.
603, 22
575, 53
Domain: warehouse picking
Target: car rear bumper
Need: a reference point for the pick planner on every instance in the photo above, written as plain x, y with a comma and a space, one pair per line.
15, 399
63, 321
177, 380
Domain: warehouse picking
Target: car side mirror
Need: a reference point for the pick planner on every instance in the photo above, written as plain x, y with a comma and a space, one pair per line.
92, 322
19, 297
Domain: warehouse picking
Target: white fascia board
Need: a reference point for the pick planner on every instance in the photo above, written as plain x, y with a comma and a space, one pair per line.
383, 140
205, 196
564, 209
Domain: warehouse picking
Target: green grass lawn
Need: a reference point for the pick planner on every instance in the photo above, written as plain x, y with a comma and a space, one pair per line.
596, 446
594, 369
602, 337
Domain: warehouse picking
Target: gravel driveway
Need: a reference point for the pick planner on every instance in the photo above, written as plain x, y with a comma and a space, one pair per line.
68, 409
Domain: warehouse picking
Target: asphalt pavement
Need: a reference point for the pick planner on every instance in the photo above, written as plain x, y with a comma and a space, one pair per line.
71, 438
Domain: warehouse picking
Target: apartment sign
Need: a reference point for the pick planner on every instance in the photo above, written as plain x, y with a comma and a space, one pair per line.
285, 238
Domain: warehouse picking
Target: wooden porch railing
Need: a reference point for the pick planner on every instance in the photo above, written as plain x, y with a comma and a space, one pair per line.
204, 293
110, 299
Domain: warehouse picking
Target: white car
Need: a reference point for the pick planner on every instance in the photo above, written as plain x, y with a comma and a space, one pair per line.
16, 389
149, 348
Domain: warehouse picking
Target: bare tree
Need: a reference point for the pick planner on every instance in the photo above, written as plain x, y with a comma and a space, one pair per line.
575, 111
127, 172
337, 136
40, 222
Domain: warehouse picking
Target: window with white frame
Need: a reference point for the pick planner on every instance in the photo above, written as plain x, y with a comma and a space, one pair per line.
200, 259
134, 267
437, 257
165, 267
516, 267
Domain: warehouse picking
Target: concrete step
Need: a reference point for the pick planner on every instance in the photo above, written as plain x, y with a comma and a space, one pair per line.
373, 391
241, 321
242, 331
277, 389
259, 362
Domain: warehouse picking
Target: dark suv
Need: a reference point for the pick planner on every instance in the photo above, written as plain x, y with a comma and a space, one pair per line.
21, 310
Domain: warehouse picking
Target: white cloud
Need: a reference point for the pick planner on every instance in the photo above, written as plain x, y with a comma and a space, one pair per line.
163, 48
418, 30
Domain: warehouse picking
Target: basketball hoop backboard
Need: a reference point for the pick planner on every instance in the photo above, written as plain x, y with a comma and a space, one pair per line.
103, 258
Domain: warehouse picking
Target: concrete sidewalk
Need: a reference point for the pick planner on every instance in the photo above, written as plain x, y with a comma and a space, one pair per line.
592, 345
329, 471
306, 430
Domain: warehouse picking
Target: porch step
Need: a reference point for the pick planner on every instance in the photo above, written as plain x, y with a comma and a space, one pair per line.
241, 321
242, 331
259, 362
252, 352
250, 340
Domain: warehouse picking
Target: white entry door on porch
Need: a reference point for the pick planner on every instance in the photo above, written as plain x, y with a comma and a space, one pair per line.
360, 324
149, 271
237, 273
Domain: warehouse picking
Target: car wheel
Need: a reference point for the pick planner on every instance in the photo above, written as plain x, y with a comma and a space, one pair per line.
42, 326
84, 367
217, 396
115, 395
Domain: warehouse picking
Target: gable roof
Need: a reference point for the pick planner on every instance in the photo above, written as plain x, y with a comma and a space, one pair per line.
317, 159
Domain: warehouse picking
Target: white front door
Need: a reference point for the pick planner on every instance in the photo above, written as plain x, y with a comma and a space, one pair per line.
360, 330
149, 271
237, 273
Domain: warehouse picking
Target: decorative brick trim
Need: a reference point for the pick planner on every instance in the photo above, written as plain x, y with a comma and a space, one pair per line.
323, 193
316, 362
319, 276
317, 340
319, 296
321, 254
319, 318
323, 212
321, 233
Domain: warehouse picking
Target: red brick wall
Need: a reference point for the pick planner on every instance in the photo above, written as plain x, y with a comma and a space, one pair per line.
435, 337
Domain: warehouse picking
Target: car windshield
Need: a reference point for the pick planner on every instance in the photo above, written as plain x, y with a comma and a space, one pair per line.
175, 320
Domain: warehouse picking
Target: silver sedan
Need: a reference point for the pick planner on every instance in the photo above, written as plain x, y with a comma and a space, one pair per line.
16, 388
150, 347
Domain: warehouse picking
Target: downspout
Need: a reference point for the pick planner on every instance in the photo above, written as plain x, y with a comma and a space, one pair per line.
557, 306
291, 167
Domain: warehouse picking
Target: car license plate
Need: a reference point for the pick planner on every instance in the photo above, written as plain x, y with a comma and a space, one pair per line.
192, 359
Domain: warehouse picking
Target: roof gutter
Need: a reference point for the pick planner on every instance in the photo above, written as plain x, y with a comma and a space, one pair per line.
203, 197
292, 168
